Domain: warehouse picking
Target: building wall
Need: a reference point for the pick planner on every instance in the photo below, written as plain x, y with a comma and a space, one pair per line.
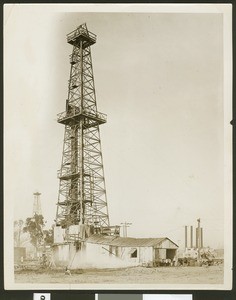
61, 254
96, 249
160, 254
145, 254
167, 244
131, 255
105, 256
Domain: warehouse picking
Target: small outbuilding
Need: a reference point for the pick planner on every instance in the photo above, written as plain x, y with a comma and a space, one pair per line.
135, 251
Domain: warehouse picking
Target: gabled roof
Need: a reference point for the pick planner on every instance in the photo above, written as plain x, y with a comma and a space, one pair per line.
126, 241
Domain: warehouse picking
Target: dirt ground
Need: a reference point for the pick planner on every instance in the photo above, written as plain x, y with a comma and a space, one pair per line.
142, 275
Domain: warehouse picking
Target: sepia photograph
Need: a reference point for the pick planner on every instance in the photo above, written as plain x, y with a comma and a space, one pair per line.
118, 146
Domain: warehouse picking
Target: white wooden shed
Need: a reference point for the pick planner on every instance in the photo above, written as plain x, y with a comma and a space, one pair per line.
137, 251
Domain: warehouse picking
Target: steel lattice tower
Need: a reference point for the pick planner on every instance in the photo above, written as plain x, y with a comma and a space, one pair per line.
82, 193
37, 204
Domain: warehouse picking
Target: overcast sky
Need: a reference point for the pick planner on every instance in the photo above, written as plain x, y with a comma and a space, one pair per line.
159, 79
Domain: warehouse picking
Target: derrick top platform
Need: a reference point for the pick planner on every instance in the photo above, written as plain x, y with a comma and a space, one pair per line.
81, 34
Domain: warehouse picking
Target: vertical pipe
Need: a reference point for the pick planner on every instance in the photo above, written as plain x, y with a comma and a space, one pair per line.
196, 238
186, 236
191, 236
198, 235
201, 237
123, 230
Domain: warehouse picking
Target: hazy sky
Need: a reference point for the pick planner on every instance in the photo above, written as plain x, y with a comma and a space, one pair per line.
159, 79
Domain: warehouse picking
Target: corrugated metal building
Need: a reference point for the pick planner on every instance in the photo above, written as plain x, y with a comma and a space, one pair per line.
137, 251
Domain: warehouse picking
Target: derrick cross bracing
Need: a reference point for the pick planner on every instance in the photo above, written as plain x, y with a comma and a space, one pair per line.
82, 194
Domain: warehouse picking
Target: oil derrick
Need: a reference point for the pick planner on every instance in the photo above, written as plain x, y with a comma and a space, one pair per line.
82, 194
37, 204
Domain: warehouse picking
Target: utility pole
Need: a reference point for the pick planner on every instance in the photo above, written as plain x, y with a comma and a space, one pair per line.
125, 225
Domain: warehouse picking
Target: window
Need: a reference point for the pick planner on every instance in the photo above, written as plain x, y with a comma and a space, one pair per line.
134, 253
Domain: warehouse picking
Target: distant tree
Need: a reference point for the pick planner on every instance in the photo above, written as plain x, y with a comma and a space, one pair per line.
48, 237
34, 226
18, 224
